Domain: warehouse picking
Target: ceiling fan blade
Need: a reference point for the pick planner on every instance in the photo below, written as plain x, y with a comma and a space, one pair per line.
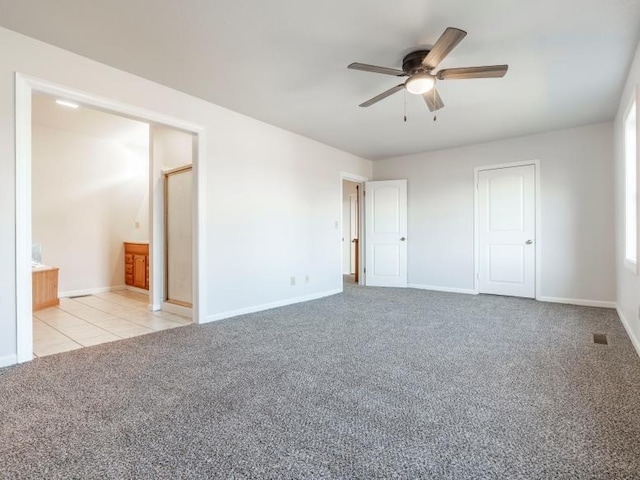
433, 100
375, 69
383, 95
493, 71
447, 42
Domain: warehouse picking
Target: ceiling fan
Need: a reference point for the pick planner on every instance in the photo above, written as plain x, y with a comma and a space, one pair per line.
419, 66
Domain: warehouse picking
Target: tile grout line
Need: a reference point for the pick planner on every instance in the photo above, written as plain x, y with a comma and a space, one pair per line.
144, 310
121, 304
111, 313
151, 312
87, 321
61, 333
133, 322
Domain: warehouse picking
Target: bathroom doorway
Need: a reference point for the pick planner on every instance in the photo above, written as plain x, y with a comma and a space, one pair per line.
90, 228
25, 87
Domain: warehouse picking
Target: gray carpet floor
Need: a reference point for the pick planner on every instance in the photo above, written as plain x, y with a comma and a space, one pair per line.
372, 383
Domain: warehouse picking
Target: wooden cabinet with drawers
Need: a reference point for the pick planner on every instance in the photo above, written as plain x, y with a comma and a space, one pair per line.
136, 264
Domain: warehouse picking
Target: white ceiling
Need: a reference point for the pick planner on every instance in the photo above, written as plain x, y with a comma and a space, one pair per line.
86, 121
284, 61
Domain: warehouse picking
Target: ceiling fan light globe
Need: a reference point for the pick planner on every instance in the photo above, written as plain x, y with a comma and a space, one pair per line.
420, 83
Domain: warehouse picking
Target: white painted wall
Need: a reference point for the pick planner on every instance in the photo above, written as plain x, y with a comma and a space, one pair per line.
628, 295
577, 210
348, 189
87, 195
272, 208
171, 148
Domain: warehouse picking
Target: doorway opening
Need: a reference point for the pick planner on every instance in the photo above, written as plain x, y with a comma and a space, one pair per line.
90, 227
352, 229
113, 196
90, 211
350, 232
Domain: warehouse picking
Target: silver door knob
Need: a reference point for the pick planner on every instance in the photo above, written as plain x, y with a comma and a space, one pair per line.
529, 242
402, 239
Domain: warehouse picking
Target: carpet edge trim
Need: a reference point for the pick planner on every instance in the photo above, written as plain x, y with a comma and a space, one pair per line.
627, 327
467, 291
268, 306
579, 301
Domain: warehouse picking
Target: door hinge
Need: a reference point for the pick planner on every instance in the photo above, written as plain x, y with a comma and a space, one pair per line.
364, 270
364, 193
478, 276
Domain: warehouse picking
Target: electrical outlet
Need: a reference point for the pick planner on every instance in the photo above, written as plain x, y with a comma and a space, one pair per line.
306, 279
293, 281
639, 311
137, 224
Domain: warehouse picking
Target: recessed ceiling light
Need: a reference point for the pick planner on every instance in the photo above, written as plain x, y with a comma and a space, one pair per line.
67, 103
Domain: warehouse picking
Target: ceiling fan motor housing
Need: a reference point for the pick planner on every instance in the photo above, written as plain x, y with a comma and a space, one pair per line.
412, 63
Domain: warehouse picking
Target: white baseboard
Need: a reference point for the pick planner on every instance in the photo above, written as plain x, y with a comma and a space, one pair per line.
578, 301
627, 327
91, 291
468, 291
177, 309
8, 360
268, 306
136, 289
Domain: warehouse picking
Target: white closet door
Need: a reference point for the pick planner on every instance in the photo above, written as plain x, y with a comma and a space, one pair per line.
506, 231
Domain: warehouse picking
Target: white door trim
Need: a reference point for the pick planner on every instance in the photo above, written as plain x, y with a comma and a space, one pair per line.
538, 241
352, 177
354, 227
24, 86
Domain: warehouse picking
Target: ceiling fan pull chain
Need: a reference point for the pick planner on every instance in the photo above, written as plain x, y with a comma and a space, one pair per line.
405, 106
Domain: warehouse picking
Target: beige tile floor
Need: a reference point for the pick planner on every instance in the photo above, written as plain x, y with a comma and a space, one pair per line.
105, 317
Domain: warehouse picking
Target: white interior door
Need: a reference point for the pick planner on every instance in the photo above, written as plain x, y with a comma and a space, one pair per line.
386, 232
506, 231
